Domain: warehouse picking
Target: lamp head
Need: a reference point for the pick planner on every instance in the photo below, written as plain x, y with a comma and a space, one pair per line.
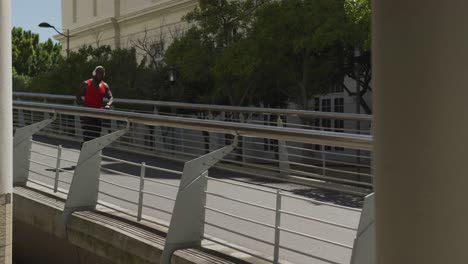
45, 25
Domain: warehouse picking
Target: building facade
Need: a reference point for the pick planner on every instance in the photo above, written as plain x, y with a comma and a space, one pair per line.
121, 23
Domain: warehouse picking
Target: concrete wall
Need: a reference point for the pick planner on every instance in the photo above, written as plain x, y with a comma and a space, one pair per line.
89, 237
32, 245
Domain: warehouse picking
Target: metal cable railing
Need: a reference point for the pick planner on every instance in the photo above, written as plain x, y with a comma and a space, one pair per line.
275, 222
148, 196
253, 156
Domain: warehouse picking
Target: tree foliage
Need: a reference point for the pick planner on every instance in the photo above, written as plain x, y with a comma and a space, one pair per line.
31, 57
237, 52
358, 13
270, 52
127, 77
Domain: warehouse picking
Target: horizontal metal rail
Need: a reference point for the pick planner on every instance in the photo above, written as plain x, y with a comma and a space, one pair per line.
120, 173
118, 198
216, 108
353, 141
315, 238
318, 220
43, 175
42, 164
119, 185
159, 195
157, 209
67, 160
242, 185
238, 217
320, 203
239, 233
163, 183
43, 154
240, 201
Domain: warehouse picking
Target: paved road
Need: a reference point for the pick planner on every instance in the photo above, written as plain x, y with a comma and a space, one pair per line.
267, 198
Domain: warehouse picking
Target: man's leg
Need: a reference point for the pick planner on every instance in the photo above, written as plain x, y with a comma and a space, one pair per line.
96, 127
87, 127
91, 129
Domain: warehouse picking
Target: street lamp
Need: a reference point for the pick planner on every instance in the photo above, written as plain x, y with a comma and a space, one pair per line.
172, 78
171, 74
47, 25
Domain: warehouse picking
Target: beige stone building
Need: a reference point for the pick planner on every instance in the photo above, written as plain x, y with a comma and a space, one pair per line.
122, 23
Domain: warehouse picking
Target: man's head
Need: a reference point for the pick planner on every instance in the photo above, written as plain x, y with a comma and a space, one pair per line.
99, 73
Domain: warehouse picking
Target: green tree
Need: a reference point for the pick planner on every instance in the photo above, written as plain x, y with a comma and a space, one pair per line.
193, 58
300, 43
263, 52
212, 58
31, 57
127, 77
358, 13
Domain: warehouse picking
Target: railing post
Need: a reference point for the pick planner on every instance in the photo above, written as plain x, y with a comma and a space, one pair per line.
364, 249
22, 143
83, 191
158, 140
139, 134
242, 140
324, 161
277, 227
77, 120
142, 188
60, 128
46, 115
84, 188
57, 167
188, 218
21, 122
283, 154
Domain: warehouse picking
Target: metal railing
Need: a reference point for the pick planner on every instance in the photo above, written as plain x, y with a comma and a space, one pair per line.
257, 115
135, 193
259, 152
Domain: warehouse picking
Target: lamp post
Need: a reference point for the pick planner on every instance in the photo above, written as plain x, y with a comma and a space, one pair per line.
47, 25
172, 81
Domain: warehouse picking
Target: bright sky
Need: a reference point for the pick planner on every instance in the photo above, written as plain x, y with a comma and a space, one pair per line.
29, 13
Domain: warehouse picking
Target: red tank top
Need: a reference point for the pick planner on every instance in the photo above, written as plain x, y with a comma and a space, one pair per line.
94, 97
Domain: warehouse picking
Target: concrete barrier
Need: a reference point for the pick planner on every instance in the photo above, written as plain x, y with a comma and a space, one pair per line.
90, 237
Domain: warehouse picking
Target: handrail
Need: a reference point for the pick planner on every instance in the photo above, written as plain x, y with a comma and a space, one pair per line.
354, 141
288, 112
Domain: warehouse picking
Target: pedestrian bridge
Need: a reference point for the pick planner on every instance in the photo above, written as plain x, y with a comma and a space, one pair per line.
198, 183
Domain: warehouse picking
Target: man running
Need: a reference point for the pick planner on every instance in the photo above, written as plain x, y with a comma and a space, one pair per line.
94, 90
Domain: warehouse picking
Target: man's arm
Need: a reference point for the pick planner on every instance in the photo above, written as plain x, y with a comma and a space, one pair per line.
80, 93
110, 98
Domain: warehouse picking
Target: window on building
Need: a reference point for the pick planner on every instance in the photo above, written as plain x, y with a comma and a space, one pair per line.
317, 108
94, 7
339, 124
336, 88
74, 11
316, 121
326, 122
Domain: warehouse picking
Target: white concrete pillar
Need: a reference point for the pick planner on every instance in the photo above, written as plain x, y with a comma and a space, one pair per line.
420, 72
6, 133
